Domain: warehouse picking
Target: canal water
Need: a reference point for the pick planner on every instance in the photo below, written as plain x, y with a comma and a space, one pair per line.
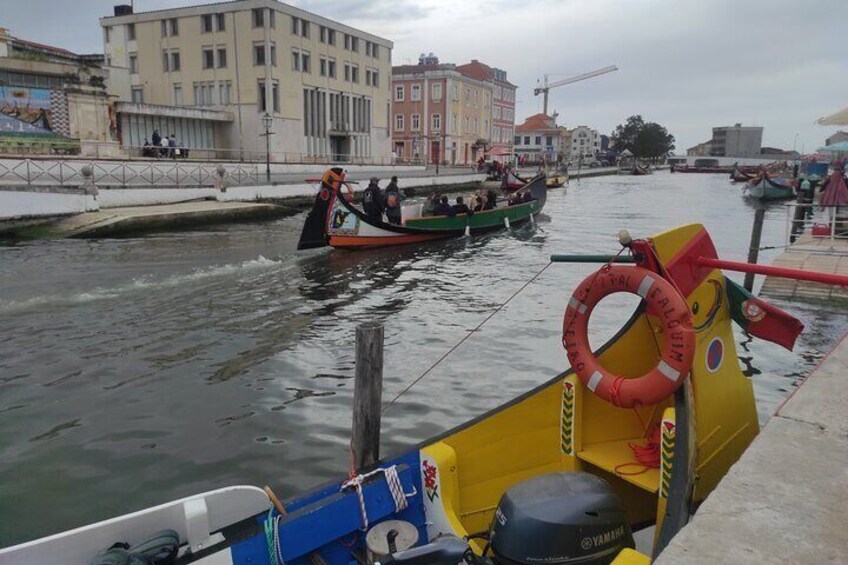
135, 371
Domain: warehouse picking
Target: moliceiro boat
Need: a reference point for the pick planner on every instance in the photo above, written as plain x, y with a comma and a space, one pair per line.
335, 221
562, 474
764, 187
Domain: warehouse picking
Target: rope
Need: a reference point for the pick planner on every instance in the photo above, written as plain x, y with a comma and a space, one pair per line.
272, 538
647, 456
395, 488
460, 342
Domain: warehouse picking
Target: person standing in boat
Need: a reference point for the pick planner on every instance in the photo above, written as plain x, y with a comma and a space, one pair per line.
372, 201
393, 199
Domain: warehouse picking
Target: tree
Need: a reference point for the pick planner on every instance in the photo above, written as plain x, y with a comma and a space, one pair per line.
624, 136
646, 140
652, 142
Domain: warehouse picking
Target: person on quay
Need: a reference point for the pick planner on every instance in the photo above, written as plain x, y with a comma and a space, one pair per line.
156, 140
393, 199
443, 208
461, 207
172, 146
163, 151
372, 201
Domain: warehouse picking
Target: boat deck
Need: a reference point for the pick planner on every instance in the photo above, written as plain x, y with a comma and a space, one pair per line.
785, 500
810, 254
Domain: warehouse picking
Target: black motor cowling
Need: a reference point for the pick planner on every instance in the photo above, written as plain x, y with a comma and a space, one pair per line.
560, 518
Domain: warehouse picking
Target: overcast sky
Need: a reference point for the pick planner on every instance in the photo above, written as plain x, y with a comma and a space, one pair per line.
686, 64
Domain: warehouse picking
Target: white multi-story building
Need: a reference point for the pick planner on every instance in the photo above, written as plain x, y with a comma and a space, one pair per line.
213, 73
585, 143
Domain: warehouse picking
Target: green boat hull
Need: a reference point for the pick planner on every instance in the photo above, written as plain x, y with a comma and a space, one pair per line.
479, 221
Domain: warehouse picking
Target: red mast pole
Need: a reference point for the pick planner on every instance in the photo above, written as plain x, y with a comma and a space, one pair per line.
784, 272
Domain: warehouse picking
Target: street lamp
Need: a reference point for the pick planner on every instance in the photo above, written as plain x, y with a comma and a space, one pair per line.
267, 122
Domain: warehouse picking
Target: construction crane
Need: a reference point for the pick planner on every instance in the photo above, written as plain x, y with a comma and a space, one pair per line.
544, 88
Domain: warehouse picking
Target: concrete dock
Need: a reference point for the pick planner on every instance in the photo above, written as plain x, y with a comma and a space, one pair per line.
137, 219
811, 254
786, 499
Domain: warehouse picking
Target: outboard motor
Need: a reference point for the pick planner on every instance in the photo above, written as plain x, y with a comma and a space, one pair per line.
560, 518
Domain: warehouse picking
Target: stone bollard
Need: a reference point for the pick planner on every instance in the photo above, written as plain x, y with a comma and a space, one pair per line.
220, 183
88, 181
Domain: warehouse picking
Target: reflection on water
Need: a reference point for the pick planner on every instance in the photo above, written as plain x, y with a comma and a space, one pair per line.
134, 371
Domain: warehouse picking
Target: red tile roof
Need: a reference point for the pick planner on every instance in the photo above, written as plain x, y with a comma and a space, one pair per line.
536, 122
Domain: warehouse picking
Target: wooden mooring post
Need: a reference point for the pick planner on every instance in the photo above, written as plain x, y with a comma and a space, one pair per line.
367, 394
754, 249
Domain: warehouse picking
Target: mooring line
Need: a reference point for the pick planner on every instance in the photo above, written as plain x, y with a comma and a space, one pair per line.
460, 342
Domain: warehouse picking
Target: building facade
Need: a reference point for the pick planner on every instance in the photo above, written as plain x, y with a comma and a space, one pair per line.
324, 85
837, 137
54, 100
451, 114
585, 143
539, 140
736, 141
503, 105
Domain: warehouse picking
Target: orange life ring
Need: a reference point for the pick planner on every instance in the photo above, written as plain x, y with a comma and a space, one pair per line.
664, 302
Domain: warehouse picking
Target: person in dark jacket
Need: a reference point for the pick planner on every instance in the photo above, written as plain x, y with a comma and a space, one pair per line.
443, 208
393, 199
491, 201
372, 201
461, 207
478, 203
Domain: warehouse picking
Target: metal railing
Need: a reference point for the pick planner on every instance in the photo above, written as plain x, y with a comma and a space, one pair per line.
817, 229
125, 174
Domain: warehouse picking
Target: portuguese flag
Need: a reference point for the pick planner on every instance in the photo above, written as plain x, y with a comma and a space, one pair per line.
761, 319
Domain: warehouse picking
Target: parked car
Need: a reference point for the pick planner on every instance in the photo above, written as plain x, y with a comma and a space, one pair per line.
595, 164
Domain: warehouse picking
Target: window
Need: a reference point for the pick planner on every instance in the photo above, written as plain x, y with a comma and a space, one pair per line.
131, 32
258, 54
300, 27
322, 66
263, 97
273, 54
526, 140
375, 50
272, 19
371, 78
275, 96
170, 27
437, 92
259, 18
208, 58
300, 61
399, 94
517, 140
467, 124
416, 122
138, 95
224, 88
331, 37
170, 61
437, 122
456, 92
351, 43
415, 94
206, 23
354, 74
178, 94
399, 122
347, 72
327, 35
107, 33
220, 22
222, 57
133, 64
549, 140
204, 93
331, 68
322, 34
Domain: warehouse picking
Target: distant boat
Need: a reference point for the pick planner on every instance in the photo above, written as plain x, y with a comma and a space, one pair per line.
510, 182
636, 170
336, 222
556, 180
763, 187
738, 175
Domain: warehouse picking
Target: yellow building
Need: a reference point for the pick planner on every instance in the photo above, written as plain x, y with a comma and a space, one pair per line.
324, 84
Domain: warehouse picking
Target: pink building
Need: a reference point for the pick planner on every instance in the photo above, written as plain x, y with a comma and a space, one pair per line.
503, 105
